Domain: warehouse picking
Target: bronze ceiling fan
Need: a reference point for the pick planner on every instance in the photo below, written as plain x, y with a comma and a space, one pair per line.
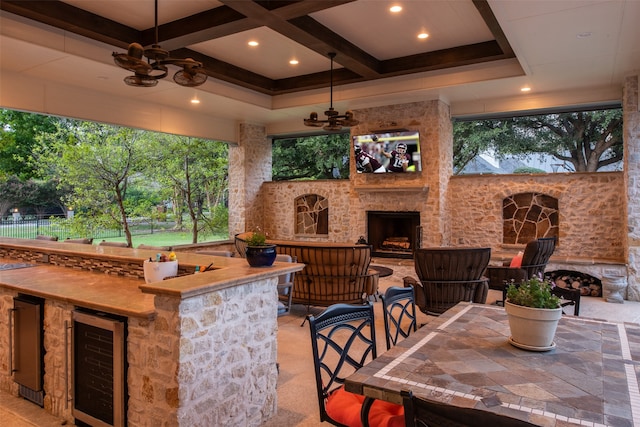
147, 73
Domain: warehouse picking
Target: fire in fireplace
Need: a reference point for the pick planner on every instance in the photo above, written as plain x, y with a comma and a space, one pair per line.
393, 234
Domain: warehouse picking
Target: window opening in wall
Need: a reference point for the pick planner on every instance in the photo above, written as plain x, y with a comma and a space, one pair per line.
529, 216
312, 214
311, 157
556, 142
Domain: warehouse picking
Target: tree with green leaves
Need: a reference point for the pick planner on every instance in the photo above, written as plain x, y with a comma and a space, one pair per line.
588, 140
312, 157
194, 174
18, 135
97, 162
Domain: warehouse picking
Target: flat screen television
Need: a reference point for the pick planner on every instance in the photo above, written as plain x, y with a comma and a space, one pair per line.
395, 152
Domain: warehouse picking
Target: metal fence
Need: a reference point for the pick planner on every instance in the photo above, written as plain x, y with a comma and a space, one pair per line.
30, 227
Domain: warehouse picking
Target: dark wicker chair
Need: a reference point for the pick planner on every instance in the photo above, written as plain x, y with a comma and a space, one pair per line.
534, 261
420, 412
399, 310
333, 273
447, 276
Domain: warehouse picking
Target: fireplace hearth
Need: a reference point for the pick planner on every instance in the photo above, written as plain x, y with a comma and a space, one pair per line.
393, 234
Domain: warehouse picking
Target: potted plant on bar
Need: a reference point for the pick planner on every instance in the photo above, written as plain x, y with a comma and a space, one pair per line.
259, 253
534, 313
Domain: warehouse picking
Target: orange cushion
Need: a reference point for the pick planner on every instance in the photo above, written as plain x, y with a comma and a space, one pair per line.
516, 262
344, 407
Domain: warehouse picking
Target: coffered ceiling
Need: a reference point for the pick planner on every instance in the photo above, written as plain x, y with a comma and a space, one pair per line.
476, 50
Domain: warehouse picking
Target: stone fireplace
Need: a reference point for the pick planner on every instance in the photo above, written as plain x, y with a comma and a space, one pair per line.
393, 234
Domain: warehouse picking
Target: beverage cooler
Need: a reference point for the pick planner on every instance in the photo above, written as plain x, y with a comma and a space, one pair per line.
26, 343
99, 369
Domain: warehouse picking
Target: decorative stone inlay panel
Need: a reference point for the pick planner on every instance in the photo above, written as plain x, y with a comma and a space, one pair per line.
529, 216
312, 214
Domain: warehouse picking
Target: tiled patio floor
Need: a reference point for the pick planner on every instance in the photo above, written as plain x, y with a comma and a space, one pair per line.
296, 386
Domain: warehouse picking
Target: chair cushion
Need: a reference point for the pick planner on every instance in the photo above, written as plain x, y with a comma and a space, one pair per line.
516, 262
344, 407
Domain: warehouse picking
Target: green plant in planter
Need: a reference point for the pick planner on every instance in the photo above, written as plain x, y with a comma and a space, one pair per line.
257, 238
534, 293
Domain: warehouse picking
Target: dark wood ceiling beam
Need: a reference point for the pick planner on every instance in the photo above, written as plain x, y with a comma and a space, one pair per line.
211, 24
228, 72
322, 40
494, 26
445, 58
310, 33
341, 76
69, 18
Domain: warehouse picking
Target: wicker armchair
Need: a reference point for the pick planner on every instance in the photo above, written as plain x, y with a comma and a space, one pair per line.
333, 272
448, 276
534, 261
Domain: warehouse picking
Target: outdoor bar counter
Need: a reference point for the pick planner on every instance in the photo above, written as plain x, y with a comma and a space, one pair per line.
200, 348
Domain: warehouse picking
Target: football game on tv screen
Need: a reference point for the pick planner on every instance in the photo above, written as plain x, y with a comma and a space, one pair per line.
392, 152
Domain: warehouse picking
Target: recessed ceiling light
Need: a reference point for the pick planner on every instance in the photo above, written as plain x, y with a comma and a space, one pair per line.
395, 9
525, 89
253, 43
423, 36
195, 100
293, 62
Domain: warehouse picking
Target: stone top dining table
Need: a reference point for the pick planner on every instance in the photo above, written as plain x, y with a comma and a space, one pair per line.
463, 358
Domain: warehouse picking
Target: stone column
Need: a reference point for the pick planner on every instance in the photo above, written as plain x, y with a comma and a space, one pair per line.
631, 111
249, 167
206, 360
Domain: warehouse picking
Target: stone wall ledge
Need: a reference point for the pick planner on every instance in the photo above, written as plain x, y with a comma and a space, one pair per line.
504, 256
393, 189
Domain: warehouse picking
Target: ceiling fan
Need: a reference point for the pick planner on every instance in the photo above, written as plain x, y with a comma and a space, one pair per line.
147, 73
334, 121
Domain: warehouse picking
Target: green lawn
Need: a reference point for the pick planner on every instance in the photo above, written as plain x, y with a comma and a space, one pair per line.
165, 238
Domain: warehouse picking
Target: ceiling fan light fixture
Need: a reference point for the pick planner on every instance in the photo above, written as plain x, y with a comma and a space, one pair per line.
147, 73
334, 121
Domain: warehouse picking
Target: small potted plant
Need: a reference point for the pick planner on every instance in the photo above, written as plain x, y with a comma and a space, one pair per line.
257, 238
534, 313
259, 253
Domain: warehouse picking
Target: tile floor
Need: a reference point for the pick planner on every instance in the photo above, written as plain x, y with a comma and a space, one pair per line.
296, 387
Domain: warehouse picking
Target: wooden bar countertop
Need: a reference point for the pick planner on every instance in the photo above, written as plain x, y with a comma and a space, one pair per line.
118, 294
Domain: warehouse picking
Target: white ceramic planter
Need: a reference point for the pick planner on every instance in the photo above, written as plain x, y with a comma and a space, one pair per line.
157, 271
532, 328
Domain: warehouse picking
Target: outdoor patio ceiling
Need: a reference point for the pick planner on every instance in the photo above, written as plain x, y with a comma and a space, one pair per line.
309, 24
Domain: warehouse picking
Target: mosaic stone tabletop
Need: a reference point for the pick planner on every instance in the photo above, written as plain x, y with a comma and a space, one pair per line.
464, 358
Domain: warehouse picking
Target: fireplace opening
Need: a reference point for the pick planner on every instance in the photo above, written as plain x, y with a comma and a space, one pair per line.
393, 234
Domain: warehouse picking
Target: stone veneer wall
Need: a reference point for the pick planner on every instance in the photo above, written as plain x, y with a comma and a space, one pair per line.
279, 201
350, 199
458, 210
590, 224
216, 360
249, 167
631, 110
600, 212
